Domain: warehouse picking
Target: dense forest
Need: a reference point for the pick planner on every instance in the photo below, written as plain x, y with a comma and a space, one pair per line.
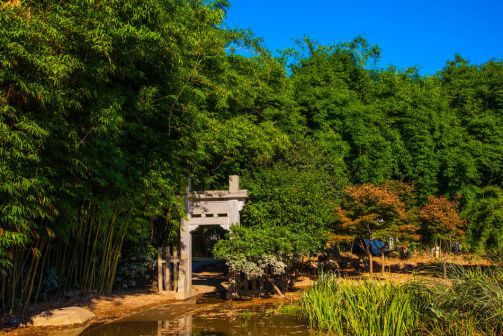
107, 107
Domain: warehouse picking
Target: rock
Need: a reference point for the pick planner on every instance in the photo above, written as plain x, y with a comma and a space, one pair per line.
62, 317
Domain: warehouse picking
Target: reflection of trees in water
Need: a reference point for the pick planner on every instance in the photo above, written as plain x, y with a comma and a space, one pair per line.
220, 321
240, 322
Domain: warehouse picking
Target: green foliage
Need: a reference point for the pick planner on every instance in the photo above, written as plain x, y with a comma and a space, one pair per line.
93, 96
24, 198
235, 145
106, 107
289, 196
288, 216
262, 251
485, 220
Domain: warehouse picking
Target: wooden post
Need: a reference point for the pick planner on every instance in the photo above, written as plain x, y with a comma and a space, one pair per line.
382, 267
371, 264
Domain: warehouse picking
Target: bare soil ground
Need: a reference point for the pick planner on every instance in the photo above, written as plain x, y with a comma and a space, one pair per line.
105, 307
123, 303
396, 268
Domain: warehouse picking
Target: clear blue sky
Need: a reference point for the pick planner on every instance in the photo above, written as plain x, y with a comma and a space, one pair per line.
410, 32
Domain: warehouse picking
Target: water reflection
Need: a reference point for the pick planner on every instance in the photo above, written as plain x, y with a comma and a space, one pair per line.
216, 320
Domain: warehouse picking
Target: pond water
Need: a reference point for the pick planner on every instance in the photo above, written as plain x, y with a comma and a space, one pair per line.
205, 316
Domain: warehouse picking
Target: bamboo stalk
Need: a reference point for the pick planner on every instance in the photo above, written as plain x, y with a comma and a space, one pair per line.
31, 283
41, 276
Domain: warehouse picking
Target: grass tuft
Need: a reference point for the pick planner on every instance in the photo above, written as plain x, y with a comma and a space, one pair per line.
368, 308
469, 303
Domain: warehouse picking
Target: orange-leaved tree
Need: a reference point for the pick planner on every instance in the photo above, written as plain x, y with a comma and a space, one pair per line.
441, 220
374, 212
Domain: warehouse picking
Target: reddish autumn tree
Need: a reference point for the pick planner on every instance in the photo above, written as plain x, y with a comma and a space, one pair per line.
441, 221
374, 212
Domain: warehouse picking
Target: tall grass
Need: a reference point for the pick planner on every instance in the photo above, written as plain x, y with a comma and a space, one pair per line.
368, 308
469, 303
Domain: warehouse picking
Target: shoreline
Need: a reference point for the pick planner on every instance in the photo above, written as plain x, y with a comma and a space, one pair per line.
107, 308
121, 304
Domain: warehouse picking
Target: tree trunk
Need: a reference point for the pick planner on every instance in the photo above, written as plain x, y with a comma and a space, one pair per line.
382, 266
371, 263
368, 248
276, 289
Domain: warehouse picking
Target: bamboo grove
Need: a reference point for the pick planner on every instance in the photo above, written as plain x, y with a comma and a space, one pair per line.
106, 107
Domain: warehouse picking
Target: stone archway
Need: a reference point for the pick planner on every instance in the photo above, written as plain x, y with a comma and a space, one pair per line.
210, 207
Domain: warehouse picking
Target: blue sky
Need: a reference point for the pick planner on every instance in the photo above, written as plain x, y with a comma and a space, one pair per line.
422, 33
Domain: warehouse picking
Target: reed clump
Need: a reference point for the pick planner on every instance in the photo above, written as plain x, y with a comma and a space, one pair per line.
469, 303
367, 308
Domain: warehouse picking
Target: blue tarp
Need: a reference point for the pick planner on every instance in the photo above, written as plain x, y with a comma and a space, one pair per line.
376, 246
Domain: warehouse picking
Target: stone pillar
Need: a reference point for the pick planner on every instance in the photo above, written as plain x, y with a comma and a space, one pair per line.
184, 289
233, 183
234, 217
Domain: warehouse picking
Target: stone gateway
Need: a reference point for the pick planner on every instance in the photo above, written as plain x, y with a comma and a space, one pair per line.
210, 207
